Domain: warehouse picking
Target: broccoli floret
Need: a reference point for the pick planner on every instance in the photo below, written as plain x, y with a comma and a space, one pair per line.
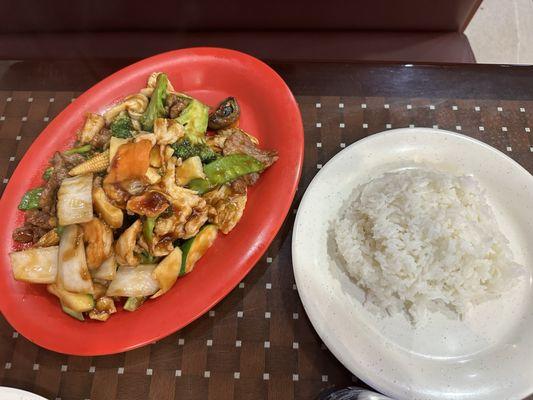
122, 126
194, 118
206, 153
156, 107
185, 149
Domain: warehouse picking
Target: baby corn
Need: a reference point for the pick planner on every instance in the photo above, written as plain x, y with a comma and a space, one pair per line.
98, 163
50, 238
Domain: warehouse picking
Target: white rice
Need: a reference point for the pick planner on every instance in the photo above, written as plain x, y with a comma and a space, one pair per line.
421, 240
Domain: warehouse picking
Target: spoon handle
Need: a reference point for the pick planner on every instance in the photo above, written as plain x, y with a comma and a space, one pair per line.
352, 393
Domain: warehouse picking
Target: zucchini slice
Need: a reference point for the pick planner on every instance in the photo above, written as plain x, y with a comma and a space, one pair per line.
194, 248
167, 271
133, 303
77, 302
72, 313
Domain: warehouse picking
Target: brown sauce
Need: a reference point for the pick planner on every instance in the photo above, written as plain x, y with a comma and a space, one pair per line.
150, 204
131, 162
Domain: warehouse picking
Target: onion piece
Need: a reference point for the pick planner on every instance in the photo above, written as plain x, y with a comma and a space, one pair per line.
37, 265
107, 271
133, 282
75, 200
73, 273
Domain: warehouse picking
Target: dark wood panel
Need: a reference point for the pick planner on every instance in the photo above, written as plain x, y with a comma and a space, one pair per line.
461, 81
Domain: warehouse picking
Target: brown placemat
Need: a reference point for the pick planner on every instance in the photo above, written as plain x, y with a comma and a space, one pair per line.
257, 343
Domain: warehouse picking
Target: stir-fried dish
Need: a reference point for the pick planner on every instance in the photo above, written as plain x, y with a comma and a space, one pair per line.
137, 201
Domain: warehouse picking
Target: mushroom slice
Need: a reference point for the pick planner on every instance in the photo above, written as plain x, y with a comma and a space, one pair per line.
226, 115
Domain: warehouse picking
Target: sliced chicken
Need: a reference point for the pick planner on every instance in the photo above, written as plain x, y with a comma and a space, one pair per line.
168, 131
93, 124
125, 245
150, 203
189, 209
226, 207
98, 239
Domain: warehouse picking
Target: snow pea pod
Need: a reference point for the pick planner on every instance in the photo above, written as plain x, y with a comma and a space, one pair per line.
224, 170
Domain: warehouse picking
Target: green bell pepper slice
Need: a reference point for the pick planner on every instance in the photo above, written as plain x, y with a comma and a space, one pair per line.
148, 229
78, 150
48, 173
31, 199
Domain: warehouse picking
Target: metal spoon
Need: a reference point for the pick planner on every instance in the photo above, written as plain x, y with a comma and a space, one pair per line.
351, 393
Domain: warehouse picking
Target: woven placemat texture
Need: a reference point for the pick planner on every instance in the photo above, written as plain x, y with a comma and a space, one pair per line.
257, 343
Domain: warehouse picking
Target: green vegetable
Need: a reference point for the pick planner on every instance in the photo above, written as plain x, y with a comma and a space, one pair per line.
60, 229
156, 107
148, 229
147, 258
184, 149
194, 248
206, 154
48, 173
122, 126
72, 313
224, 170
31, 199
133, 303
78, 150
78, 302
195, 118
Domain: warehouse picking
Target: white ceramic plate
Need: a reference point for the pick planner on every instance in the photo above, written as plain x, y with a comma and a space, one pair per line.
487, 355
7, 393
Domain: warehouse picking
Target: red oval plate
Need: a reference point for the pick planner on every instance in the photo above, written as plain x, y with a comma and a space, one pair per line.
269, 111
